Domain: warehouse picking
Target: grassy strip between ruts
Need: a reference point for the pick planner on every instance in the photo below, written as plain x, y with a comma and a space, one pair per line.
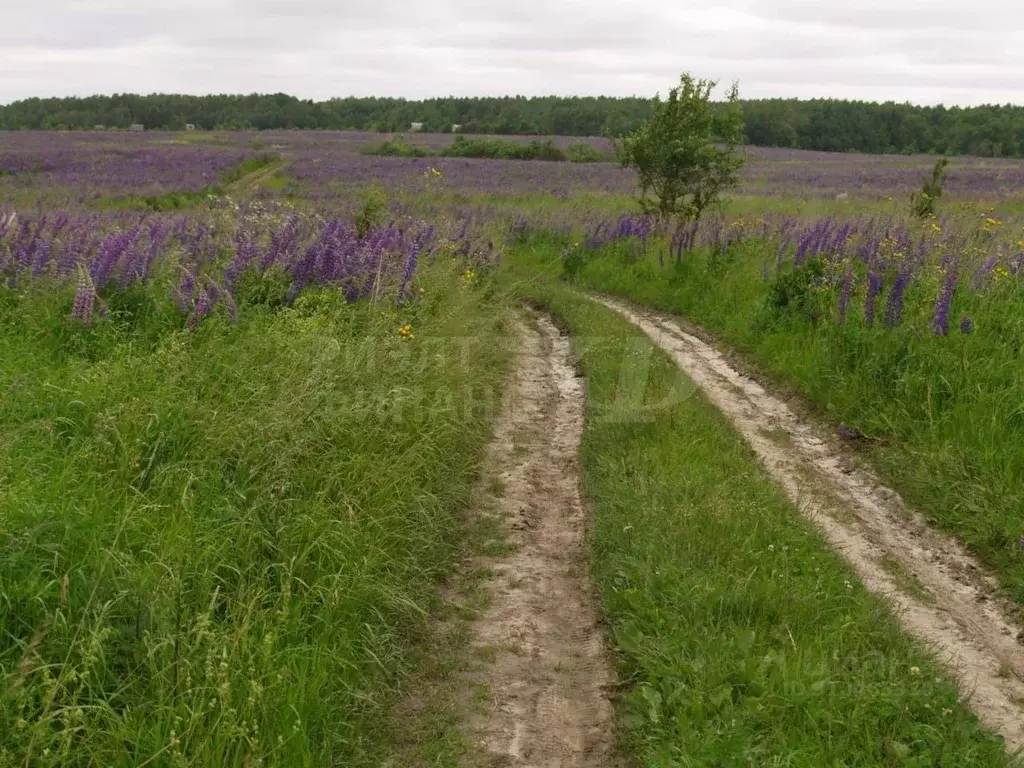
741, 639
220, 546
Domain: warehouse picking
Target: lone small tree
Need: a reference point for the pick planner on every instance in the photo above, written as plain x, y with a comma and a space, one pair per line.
922, 204
686, 153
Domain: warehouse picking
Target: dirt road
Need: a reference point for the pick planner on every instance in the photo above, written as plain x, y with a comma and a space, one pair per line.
546, 677
939, 592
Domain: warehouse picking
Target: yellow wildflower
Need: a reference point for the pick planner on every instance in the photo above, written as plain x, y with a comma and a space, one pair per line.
469, 276
406, 332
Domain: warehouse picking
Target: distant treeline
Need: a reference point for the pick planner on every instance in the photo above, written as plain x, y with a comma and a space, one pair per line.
820, 124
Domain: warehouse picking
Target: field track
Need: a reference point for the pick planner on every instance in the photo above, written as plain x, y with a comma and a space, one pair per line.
938, 591
547, 678
252, 180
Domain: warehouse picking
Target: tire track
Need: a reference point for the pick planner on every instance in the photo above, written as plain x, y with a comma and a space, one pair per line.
939, 592
546, 675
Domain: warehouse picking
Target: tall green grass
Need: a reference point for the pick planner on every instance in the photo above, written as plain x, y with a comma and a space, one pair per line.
948, 411
219, 547
741, 638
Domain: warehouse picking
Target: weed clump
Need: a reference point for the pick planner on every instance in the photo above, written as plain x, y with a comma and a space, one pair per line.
923, 203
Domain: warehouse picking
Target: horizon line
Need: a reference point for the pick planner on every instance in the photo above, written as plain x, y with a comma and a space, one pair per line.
223, 94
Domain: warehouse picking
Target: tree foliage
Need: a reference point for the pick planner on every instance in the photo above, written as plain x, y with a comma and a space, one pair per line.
820, 124
686, 154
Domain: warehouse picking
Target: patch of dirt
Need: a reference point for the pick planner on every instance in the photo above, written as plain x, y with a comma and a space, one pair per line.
939, 592
540, 696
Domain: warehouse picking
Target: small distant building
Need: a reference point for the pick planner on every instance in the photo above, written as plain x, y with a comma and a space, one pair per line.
99, 127
189, 127
137, 127
456, 127
416, 127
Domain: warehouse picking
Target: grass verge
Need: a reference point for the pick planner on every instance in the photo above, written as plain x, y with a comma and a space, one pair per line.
221, 546
741, 639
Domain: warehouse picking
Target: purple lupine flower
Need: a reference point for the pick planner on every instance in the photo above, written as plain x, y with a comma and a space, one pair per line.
108, 255
283, 242
159, 234
336, 245
803, 248
820, 236
977, 282
245, 254
875, 282
41, 257
202, 308
940, 320
85, 296
325, 263
303, 270
966, 325
837, 244
78, 243
845, 293
894, 303
868, 250
408, 270
25, 243
186, 289
129, 263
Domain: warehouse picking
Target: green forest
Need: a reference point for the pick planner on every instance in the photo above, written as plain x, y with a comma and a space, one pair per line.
818, 124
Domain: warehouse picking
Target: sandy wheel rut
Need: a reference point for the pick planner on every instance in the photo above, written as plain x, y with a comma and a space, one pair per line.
545, 676
939, 592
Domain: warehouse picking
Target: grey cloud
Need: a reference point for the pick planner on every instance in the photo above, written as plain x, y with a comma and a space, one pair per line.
920, 50
888, 14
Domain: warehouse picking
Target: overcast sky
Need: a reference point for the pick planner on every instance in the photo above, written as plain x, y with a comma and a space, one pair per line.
923, 51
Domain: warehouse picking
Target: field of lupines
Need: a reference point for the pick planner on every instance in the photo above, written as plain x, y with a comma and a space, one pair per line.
94, 165
200, 260
201, 363
189, 398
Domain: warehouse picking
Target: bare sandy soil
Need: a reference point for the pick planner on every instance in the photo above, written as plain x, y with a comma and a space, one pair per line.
545, 681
